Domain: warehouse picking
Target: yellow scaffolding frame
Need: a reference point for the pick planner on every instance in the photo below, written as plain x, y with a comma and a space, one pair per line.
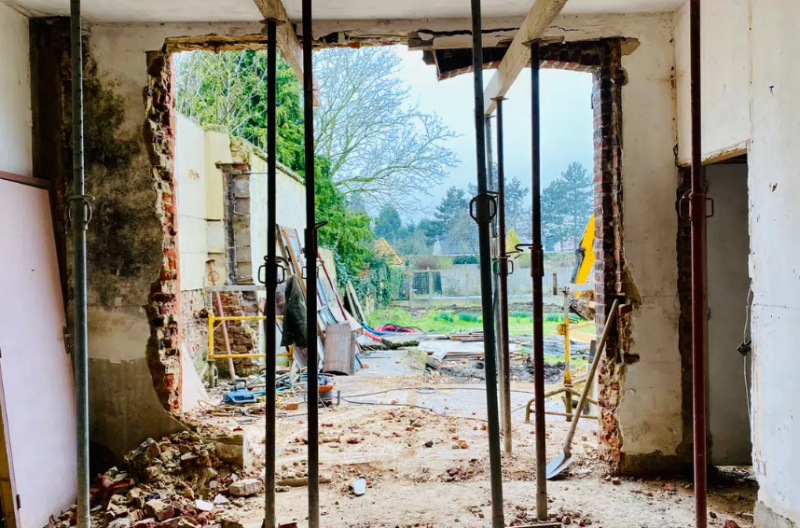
211, 355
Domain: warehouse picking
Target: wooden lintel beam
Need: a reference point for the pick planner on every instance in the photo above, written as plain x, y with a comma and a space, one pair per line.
535, 25
288, 43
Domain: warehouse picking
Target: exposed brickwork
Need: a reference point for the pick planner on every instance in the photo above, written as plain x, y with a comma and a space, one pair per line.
575, 56
243, 335
163, 307
609, 267
194, 328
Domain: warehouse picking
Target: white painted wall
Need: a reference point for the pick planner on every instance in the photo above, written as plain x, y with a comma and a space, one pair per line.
650, 412
190, 173
728, 286
725, 77
774, 166
36, 371
15, 93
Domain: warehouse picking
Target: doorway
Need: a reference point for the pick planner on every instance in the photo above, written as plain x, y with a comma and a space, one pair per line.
728, 325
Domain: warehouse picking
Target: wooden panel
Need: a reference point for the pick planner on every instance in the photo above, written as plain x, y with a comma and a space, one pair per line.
36, 371
340, 352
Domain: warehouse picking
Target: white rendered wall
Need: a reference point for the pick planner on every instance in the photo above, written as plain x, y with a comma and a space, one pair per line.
290, 210
725, 78
190, 173
774, 183
15, 93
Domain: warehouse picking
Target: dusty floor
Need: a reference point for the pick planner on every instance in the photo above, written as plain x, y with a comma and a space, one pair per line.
430, 468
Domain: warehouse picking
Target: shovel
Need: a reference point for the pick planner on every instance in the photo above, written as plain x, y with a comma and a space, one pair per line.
562, 461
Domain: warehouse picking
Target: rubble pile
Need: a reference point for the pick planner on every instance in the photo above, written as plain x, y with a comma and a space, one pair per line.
183, 481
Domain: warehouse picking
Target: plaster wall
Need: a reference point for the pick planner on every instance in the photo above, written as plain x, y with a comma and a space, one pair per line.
774, 164
15, 93
650, 413
126, 238
728, 286
725, 78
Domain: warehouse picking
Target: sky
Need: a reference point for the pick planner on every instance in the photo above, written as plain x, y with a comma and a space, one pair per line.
566, 121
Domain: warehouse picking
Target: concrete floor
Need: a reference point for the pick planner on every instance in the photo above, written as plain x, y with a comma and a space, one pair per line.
444, 485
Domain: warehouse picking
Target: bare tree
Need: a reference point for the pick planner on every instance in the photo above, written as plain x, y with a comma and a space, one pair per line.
378, 144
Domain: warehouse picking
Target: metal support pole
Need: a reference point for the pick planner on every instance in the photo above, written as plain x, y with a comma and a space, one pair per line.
505, 353
271, 274
537, 272
311, 270
80, 215
498, 327
483, 215
697, 200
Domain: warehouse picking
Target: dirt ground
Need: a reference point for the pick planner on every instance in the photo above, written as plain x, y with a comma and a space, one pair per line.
427, 465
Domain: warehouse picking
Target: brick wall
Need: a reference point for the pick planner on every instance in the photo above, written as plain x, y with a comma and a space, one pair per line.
163, 307
607, 105
243, 335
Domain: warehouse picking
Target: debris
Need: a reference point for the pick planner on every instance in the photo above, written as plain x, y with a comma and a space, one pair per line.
359, 487
292, 406
204, 505
730, 523
429, 443
299, 482
234, 450
245, 488
122, 522
221, 499
462, 444
159, 509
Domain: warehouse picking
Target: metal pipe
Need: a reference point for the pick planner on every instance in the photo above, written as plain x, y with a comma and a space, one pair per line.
697, 200
271, 274
498, 326
537, 272
80, 220
311, 269
505, 351
483, 217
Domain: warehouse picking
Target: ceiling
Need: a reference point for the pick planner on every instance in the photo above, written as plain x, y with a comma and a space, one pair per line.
410, 9
245, 10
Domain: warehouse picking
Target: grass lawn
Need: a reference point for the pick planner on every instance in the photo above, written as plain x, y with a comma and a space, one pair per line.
452, 320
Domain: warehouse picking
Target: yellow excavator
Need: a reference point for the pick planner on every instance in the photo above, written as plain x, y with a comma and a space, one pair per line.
582, 304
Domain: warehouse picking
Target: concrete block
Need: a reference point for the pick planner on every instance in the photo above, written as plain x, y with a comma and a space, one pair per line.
245, 488
234, 449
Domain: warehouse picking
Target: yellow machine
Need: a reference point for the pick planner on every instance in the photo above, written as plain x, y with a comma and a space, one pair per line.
583, 305
585, 264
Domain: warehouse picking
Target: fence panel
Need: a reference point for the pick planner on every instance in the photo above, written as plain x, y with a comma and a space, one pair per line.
461, 284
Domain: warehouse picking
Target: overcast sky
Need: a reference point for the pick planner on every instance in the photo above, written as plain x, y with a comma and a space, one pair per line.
566, 120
